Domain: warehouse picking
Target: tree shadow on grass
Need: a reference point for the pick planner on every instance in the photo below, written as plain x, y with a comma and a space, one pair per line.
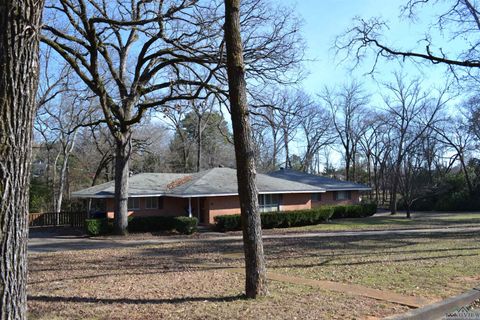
179, 300
157, 271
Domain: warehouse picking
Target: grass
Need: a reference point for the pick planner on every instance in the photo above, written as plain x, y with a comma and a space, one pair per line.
171, 282
435, 266
193, 279
386, 222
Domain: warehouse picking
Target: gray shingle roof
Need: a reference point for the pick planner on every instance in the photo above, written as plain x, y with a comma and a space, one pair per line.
216, 181
328, 183
139, 184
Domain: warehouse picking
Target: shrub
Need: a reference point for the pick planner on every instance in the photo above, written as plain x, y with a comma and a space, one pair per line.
184, 225
338, 212
457, 201
227, 223
354, 211
96, 227
280, 219
369, 209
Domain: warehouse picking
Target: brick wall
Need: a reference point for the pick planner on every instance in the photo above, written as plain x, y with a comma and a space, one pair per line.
219, 206
225, 205
328, 198
171, 207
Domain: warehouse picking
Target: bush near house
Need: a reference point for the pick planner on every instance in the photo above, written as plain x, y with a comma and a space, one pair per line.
96, 227
354, 211
279, 219
286, 219
185, 225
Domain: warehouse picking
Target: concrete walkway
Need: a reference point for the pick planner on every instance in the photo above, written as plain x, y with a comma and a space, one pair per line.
43, 243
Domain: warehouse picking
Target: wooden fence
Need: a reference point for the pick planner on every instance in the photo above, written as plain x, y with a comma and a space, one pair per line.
57, 219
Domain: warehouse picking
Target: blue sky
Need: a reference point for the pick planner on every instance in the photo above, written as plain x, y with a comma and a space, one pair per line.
326, 19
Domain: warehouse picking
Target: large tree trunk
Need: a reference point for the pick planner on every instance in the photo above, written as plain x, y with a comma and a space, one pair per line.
347, 165
122, 157
256, 280
19, 28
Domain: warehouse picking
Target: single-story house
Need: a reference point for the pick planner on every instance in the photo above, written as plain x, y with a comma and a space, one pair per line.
205, 194
336, 191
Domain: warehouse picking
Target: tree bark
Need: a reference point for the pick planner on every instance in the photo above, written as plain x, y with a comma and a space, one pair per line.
19, 27
122, 158
288, 165
67, 150
255, 269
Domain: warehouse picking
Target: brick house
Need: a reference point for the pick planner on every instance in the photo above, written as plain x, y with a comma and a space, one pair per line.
209, 193
336, 191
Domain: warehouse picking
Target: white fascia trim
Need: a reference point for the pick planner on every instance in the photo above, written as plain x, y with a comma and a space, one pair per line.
236, 194
194, 195
353, 189
94, 196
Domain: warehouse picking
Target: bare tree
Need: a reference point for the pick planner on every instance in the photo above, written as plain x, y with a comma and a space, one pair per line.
381, 153
266, 127
411, 180
411, 111
59, 123
280, 110
63, 107
472, 111
256, 279
460, 20
367, 140
175, 117
317, 132
19, 28
456, 136
347, 107
139, 56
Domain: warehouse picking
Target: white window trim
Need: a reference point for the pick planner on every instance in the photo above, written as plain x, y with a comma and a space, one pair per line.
270, 207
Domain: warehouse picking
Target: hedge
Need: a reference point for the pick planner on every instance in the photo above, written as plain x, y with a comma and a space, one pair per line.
286, 219
95, 227
354, 211
279, 219
184, 225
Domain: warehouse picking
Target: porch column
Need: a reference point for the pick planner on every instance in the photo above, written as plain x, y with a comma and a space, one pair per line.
198, 209
189, 207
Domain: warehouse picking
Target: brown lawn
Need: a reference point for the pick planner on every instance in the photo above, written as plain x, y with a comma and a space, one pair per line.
196, 280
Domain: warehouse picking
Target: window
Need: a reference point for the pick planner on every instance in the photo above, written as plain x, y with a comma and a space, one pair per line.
268, 202
316, 197
151, 203
133, 204
342, 195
